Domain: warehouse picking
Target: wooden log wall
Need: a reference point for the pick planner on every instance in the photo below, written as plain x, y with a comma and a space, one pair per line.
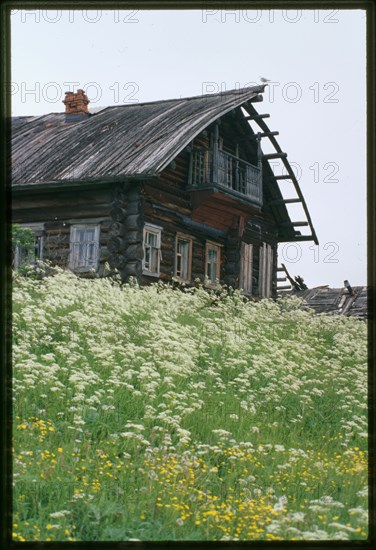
232, 258
172, 223
56, 241
125, 243
49, 206
175, 175
58, 211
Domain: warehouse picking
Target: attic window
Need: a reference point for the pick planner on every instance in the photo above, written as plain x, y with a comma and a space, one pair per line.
84, 247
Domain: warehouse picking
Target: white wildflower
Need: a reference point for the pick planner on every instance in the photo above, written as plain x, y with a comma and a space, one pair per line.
297, 516
60, 514
280, 504
341, 526
363, 492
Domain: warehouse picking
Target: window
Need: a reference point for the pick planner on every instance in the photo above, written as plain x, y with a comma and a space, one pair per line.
265, 270
152, 250
246, 266
212, 263
84, 247
33, 250
183, 258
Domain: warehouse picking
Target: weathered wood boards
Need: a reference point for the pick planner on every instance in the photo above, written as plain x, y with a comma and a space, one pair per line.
336, 300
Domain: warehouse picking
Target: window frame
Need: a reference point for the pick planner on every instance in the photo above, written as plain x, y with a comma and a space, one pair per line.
157, 231
218, 248
189, 240
74, 228
37, 252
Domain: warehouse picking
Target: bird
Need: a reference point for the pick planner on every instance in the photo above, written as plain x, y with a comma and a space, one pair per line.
264, 80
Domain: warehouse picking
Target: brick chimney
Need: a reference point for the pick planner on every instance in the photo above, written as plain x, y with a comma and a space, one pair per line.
76, 106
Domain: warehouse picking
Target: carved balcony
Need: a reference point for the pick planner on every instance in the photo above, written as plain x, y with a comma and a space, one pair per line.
225, 172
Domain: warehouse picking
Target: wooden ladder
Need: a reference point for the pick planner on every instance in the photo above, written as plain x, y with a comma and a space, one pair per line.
266, 133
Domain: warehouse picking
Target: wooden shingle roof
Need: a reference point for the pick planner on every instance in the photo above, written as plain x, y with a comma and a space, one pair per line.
129, 140
336, 301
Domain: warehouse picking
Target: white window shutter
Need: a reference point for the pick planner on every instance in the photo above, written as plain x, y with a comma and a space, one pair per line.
265, 270
246, 268
84, 247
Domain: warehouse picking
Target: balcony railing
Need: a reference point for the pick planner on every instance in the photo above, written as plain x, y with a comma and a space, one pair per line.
215, 168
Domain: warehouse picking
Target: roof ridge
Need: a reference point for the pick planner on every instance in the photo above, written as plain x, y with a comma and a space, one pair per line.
240, 91
236, 91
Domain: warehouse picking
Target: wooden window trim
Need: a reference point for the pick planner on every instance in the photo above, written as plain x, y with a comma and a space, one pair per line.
73, 231
218, 247
183, 237
155, 230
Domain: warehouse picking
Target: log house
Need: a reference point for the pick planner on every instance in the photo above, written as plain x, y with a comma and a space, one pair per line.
168, 189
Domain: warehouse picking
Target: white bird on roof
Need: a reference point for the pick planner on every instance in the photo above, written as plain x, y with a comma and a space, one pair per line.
264, 80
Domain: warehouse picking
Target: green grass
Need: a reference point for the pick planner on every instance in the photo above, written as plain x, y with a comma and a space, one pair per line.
154, 414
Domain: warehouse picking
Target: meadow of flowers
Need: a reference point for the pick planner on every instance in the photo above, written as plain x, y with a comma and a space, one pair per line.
160, 414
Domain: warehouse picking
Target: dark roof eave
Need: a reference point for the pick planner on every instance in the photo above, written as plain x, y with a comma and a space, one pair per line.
79, 184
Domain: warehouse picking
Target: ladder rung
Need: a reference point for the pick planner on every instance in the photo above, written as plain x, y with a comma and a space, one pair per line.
255, 117
268, 134
296, 224
303, 238
281, 279
275, 156
297, 238
289, 287
284, 177
283, 201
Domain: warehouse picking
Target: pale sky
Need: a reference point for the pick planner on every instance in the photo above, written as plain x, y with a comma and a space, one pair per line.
316, 61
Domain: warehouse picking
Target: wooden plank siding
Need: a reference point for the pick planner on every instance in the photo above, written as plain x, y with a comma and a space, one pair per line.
56, 242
